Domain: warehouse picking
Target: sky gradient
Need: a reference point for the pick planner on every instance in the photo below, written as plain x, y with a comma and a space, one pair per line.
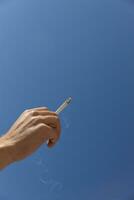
50, 50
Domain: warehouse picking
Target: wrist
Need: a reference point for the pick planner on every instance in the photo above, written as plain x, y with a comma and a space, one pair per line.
6, 153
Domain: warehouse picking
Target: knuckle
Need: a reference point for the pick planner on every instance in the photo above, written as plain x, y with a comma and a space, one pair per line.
26, 111
54, 113
57, 115
34, 112
57, 119
45, 108
36, 120
41, 126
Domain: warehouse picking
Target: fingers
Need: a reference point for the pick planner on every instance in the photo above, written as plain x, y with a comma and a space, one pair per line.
50, 120
53, 122
43, 113
51, 143
44, 131
38, 109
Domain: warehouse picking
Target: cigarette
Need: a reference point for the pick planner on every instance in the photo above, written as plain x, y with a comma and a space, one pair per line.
64, 105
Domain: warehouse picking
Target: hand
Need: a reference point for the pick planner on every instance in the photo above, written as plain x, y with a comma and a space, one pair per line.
32, 129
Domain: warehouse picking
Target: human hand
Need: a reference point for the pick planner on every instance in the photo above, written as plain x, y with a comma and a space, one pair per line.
32, 129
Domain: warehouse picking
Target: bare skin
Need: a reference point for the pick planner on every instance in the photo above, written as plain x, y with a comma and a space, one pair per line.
33, 128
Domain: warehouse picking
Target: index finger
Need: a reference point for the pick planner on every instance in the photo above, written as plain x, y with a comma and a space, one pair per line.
55, 133
38, 109
54, 122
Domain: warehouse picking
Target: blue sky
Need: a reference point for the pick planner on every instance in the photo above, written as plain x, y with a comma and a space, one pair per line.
50, 50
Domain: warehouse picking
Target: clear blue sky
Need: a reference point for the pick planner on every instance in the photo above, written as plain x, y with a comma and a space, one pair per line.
50, 50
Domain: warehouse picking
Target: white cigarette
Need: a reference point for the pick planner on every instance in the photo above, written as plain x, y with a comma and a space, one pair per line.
64, 105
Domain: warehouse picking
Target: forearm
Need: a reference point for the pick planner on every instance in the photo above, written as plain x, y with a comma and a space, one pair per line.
6, 153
